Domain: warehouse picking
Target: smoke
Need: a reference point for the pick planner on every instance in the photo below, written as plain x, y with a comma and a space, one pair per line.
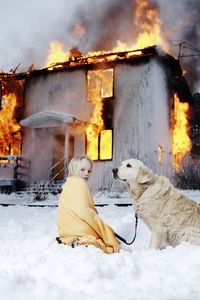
181, 20
30, 25
106, 22
116, 20
112, 21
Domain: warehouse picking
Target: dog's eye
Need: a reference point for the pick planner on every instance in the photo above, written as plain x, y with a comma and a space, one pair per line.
129, 166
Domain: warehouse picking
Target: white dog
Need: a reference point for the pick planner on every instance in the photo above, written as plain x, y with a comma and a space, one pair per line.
171, 217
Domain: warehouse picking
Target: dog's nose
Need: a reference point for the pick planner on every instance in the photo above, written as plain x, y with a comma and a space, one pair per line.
115, 170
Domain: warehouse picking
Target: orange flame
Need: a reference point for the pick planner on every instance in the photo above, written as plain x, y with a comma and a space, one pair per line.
181, 141
147, 20
106, 144
151, 27
100, 86
96, 121
10, 137
56, 54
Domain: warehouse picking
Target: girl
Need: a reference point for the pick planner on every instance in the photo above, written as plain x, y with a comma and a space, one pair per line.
78, 221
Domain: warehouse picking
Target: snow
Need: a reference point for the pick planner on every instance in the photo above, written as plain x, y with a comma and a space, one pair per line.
34, 266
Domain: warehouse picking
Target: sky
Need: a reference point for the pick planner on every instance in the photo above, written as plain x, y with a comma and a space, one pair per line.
27, 27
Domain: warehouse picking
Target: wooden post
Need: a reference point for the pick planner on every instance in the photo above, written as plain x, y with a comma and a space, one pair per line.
66, 153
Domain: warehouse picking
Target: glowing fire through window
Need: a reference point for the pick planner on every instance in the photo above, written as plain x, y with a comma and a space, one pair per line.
106, 144
181, 141
99, 87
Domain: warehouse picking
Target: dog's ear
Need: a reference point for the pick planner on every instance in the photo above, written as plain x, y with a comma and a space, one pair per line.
145, 176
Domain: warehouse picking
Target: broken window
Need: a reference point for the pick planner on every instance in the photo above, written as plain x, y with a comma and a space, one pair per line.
99, 84
106, 144
99, 132
100, 147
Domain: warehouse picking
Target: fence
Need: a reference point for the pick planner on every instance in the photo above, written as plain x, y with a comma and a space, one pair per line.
20, 172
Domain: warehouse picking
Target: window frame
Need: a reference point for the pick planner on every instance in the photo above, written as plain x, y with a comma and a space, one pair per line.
99, 141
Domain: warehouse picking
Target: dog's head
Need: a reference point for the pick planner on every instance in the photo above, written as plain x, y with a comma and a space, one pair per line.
133, 171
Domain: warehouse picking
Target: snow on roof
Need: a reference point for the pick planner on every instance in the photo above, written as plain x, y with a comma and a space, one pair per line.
47, 119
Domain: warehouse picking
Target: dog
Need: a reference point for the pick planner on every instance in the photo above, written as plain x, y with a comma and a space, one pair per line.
172, 217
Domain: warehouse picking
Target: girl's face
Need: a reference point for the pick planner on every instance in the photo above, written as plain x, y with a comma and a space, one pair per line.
85, 169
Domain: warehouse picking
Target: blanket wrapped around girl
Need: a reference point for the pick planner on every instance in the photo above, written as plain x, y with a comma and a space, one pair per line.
78, 221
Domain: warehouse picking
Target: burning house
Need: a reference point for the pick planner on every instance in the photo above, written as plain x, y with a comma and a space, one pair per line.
110, 106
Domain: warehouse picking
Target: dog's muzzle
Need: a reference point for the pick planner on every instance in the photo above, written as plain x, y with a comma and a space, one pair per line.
115, 174
115, 171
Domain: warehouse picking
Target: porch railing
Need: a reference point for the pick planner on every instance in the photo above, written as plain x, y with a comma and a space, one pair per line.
62, 163
20, 166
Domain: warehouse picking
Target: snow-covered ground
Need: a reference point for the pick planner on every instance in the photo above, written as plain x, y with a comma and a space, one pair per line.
34, 266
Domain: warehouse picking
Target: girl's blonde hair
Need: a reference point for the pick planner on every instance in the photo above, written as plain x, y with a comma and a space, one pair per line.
74, 165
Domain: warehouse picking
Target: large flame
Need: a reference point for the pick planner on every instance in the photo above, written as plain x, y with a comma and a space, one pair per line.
56, 54
181, 141
10, 137
96, 121
99, 87
146, 19
106, 144
151, 32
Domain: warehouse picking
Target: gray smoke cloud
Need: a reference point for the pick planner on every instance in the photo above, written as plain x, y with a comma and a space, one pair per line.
30, 25
181, 21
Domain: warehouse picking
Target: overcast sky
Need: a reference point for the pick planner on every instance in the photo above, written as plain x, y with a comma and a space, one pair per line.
28, 26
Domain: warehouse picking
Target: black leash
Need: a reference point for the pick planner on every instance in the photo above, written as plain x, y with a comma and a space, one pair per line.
122, 239
58, 239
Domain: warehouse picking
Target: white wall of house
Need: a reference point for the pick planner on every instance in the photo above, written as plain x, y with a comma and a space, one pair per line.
62, 91
141, 121
141, 118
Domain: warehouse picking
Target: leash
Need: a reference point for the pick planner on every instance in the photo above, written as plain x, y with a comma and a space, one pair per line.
58, 239
122, 239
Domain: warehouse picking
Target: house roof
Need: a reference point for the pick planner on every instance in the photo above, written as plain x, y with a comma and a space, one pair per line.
171, 65
47, 119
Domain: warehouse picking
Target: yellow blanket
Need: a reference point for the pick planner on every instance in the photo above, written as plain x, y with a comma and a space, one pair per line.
77, 218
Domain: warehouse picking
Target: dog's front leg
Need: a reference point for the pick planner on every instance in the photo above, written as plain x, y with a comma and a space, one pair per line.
158, 237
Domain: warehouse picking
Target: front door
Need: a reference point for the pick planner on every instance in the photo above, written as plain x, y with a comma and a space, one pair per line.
58, 171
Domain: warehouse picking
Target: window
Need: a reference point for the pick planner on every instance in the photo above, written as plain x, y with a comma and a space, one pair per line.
99, 147
106, 144
99, 137
99, 84
160, 150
